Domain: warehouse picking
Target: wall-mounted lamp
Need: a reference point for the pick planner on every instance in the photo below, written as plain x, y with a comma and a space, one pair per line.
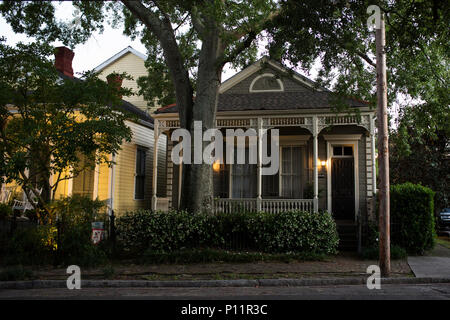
323, 163
216, 166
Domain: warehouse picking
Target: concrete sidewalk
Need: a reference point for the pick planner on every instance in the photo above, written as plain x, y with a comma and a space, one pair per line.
434, 265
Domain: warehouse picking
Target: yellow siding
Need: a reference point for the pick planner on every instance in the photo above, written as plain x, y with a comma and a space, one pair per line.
134, 66
103, 182
125, 169
63, 186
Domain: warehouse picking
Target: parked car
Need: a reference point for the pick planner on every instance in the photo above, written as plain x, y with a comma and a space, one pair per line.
444, 219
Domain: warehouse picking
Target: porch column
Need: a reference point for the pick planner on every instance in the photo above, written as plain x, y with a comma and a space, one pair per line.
259, 177
315, 164
155, 165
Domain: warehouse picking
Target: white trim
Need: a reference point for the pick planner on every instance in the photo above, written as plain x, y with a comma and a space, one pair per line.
111, 186
264, 75
342, 137
251, 114
342, 140
96, 179
117, 56
229, 83
70, 187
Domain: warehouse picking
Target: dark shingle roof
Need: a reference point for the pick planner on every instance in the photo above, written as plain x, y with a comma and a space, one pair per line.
125, 105
305, 99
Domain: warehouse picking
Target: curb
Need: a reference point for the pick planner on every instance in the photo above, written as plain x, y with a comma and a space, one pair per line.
47, 284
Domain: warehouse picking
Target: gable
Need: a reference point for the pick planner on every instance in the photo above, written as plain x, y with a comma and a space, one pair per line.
267, 85
266, 79
135, 67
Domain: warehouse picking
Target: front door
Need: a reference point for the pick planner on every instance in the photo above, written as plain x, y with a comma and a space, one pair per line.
343, 188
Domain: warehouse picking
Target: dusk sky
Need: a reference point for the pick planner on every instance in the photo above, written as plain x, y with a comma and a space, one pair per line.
96, 50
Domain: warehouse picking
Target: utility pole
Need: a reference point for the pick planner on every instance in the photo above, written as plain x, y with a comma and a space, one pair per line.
383, 149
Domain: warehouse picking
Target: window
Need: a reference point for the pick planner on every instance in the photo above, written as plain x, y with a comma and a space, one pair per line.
291, 164
244, 178
139, 187
220, 181
266, 82
343, 151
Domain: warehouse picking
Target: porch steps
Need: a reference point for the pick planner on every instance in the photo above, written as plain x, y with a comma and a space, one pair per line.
348, 235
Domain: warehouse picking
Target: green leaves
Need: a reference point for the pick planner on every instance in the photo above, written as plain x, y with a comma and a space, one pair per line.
49, 123
412, 216
293, 231
419, 149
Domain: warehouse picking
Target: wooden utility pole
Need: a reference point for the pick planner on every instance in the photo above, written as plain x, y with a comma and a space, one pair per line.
383, 151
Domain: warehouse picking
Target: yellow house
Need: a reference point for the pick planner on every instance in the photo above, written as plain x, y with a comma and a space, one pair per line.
132, 62
126, 185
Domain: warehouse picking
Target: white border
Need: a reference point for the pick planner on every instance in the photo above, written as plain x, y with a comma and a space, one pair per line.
263, 90
348, 140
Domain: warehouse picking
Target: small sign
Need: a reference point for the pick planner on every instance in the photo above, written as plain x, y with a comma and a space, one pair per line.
98, 232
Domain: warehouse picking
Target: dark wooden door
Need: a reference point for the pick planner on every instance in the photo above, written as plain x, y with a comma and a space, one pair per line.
343, 188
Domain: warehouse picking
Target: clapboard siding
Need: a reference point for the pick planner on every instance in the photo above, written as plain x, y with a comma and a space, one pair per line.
125, 169
134, 66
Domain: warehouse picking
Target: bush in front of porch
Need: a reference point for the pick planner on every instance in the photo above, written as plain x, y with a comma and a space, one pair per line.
287, 232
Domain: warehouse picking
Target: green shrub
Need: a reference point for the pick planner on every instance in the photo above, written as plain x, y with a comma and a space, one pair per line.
75, 217
412, 217
66, 241
5, 211
30, 246
293, 231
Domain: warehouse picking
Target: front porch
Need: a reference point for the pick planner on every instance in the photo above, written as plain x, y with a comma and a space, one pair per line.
305, 180
266, 205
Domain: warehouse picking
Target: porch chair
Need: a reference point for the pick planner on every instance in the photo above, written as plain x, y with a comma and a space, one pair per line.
25, 204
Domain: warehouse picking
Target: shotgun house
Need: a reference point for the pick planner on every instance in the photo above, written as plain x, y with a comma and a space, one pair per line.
326, 159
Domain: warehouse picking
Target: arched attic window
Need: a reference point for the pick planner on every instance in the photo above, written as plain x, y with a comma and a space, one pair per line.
266, 82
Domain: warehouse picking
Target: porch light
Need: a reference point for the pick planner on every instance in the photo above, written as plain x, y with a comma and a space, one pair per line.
323, 163
216, 166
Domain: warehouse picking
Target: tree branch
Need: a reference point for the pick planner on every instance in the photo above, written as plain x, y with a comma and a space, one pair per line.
241, 46
162, 29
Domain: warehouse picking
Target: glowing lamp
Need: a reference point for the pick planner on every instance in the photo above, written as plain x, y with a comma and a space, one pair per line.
216, 166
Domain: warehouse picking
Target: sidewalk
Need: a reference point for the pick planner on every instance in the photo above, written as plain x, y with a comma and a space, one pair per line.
435, 264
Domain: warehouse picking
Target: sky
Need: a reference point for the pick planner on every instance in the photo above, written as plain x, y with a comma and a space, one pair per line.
96, 50
101, 47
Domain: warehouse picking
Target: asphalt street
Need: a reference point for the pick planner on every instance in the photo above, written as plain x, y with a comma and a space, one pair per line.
349, 292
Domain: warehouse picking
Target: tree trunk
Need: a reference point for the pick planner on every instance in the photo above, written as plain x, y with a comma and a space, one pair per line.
197, 181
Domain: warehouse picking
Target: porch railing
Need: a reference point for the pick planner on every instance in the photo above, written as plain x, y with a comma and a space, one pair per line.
267, 205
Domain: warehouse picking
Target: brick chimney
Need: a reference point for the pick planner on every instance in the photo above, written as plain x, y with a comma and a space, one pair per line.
63, 60
115, 81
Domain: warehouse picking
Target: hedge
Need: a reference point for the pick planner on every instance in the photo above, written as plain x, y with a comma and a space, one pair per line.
412, 217
293, 231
